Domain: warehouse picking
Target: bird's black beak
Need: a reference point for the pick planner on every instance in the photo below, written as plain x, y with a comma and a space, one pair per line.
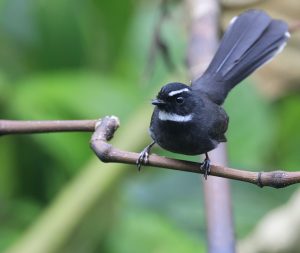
158, 102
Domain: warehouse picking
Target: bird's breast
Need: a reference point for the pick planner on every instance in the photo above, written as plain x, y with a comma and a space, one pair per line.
183, 135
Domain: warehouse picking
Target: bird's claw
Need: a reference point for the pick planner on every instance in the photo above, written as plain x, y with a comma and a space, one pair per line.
205, 167
143, 158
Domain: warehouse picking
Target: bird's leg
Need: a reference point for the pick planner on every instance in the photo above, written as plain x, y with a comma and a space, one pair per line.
144, 155
205, 166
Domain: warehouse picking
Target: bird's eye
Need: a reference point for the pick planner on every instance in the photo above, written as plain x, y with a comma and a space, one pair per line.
179, 100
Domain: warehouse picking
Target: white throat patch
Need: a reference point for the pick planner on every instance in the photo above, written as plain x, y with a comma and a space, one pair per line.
175, 92
162, 115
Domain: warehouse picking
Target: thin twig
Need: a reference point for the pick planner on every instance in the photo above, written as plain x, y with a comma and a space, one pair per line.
46, 126
107, 153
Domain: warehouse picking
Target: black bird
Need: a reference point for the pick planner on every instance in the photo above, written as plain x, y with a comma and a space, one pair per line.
189, 119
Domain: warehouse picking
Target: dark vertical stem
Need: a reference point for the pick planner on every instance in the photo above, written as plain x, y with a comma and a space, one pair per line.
202, 45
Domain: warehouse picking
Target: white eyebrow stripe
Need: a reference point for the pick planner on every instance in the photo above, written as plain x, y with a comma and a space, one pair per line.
175, 92
162, 115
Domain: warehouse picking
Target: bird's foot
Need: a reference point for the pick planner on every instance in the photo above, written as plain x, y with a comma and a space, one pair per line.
144, 156
205, 167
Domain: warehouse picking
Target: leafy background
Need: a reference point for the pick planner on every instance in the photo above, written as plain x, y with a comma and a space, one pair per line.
65, 59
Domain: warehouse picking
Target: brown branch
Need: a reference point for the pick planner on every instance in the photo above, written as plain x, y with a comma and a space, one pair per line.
26, 127
107, 153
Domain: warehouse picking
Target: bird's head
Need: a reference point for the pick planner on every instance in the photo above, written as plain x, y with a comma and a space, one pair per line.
175, 100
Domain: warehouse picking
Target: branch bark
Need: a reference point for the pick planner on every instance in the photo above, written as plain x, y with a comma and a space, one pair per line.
107, 153
104, 130
46, 126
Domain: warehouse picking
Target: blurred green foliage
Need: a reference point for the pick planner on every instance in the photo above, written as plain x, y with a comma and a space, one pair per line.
85, 59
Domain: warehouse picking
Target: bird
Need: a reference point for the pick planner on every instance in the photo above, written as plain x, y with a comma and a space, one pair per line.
190, 119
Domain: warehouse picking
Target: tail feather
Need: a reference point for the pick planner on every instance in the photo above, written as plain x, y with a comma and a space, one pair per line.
251, 40
269, 44
236, 40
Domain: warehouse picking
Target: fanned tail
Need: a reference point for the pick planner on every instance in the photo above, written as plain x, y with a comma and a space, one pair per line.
252, 39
